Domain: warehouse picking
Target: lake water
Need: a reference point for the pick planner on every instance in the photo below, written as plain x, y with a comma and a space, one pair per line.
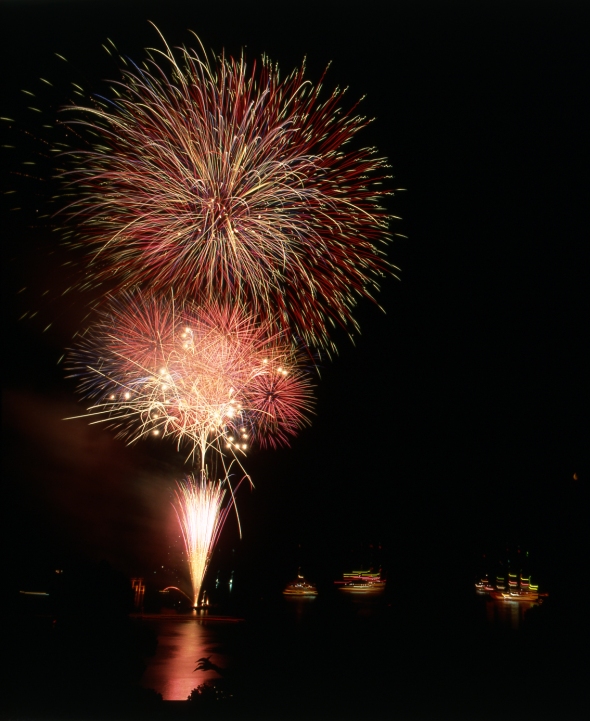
507, 613
319, 645
274, 648
181, 642
424, 657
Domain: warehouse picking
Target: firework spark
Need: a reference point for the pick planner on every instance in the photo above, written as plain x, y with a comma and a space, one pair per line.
209, 376
201, 515
230, 183
278, 404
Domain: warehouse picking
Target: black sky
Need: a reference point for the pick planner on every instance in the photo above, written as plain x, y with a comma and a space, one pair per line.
459, 417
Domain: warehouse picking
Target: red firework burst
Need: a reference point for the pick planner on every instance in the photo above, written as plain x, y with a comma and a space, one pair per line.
278, 405
209, 376
231, 184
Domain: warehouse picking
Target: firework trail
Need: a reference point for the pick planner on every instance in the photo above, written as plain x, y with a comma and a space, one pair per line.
231, 185
201, 514
207, 376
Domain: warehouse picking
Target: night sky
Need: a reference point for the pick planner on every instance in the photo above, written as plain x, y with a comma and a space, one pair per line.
457, 420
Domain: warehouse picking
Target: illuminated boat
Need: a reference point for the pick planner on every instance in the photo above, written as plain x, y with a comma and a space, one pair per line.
519, 589
300, 587
530, 596
484, 586
361, 582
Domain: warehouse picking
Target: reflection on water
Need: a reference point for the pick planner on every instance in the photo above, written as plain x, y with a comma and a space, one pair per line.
300, 606
181, 642
287, 628
507, 612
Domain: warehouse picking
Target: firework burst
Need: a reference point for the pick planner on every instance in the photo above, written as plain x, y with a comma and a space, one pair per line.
209, 376
278, 404
232, 184
201, 515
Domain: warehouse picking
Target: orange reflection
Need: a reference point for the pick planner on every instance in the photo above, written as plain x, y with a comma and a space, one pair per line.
507, 612
180, 644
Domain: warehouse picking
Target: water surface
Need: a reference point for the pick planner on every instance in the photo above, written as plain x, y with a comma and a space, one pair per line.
181, 642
